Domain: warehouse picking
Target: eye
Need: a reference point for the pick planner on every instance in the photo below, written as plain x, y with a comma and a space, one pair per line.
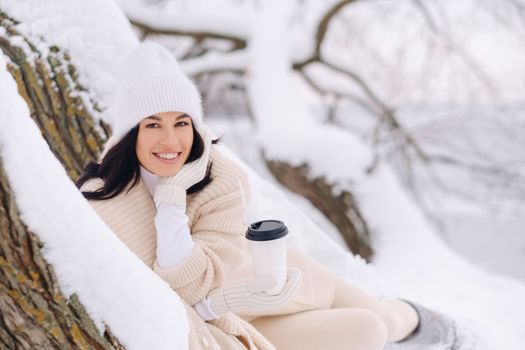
152, 125
182, 124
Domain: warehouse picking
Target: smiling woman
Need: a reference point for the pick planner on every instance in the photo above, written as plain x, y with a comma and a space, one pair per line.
164, 142
160, 153
178, 203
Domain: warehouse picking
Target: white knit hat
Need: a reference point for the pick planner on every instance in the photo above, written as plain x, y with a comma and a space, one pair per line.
149, 81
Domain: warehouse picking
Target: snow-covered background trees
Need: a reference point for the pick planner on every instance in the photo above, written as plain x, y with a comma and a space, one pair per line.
389, 129
432, 88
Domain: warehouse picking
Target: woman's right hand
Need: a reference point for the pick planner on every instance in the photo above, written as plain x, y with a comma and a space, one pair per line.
248, 296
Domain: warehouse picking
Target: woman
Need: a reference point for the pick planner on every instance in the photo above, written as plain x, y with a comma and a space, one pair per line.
165, 189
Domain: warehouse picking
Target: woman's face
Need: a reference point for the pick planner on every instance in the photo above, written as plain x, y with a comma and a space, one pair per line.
164, 142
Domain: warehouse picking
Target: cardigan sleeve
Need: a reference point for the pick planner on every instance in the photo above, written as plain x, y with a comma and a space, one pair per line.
220, 247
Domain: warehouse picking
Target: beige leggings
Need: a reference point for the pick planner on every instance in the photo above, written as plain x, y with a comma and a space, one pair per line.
355, 321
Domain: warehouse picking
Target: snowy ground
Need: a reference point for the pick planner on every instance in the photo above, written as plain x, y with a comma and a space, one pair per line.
496, 244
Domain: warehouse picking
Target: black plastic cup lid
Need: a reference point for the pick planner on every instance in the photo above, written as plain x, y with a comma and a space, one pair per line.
266, 230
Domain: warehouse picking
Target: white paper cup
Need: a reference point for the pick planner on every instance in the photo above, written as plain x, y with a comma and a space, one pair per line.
268, 242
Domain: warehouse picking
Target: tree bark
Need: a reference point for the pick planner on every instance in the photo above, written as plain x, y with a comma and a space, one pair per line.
35, 314
50, 87
341, 210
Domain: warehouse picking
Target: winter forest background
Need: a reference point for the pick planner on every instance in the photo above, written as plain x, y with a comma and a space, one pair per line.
388, 135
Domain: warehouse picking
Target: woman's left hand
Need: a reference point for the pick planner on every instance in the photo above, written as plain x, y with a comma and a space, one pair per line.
172, 189
248, 296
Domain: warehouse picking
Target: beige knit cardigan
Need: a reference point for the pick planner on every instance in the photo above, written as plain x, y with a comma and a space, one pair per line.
217, 222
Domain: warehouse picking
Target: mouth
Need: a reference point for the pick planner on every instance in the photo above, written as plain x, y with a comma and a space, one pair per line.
168, 158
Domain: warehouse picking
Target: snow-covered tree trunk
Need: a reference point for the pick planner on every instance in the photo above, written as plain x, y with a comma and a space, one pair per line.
35, 314
48, 83
342, 210
34, 311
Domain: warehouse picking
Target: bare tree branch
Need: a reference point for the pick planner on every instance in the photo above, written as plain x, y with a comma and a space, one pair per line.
443, 35
238, 43
322, 28
360, 82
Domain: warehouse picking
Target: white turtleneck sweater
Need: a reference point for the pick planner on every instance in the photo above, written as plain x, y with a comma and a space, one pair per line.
174, 242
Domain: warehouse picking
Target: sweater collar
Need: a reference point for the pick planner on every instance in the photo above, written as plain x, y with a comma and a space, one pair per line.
150, 179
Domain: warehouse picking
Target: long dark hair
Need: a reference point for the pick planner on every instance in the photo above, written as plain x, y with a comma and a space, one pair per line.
120, 166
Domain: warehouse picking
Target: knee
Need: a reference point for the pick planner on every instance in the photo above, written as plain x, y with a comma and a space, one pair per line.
370, 329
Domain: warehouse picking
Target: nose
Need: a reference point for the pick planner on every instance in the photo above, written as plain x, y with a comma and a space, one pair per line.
169, 138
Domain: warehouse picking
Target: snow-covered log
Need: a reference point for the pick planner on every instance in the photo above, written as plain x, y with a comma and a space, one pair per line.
35, 314
65, 278
48, 82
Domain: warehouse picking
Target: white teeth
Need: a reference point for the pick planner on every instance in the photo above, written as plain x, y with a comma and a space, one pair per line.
168, 155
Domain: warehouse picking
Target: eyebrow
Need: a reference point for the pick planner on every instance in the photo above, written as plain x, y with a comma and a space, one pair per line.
154, 117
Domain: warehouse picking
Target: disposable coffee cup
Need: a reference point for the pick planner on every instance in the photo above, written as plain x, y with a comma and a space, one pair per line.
268, 245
